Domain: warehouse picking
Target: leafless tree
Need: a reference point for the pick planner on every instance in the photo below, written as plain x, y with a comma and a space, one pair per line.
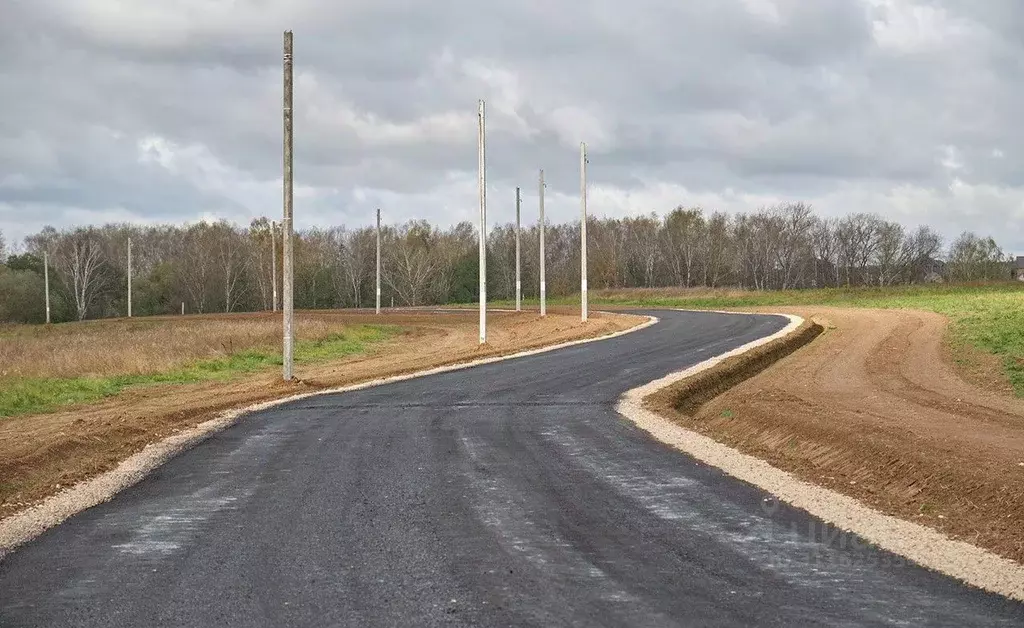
80, 262
411, 261
260, 250
357, 253
716, 249
824, 251
892, 253
682, 233
795, 221
643, 246
197, 268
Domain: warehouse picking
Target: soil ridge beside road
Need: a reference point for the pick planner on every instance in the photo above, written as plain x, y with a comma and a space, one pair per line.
874, 409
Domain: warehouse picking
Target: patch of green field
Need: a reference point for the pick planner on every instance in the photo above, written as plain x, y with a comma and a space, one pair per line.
46, 394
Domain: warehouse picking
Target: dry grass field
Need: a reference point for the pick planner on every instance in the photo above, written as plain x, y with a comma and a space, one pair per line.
145, 346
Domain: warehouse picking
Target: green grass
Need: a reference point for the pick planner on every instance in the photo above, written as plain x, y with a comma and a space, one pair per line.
989, 317
46, 394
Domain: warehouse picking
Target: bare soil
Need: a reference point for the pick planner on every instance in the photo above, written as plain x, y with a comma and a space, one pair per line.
44, 453
875, 408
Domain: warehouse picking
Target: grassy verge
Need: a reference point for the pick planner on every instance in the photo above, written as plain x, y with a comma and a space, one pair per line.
44, 394
988, 317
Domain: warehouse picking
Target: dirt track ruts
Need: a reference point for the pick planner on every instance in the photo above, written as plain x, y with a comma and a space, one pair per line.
874, 409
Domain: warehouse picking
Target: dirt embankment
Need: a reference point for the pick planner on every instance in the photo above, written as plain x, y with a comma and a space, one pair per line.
874, 408
42, 454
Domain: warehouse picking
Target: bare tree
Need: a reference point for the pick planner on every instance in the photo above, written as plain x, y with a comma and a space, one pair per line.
682, 233
79, 259
411, 261
717, 247
197, 268
972, 258
926, 246
454, 249
261, 250
233, 259
795, 221
892, 253
824, 250
356, 250
643, 246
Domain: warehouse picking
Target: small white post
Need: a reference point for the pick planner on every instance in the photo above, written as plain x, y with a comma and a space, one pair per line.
273, 263
46, 283
583, 232
482, 183
182, 308
378, 260
129, 277
519, 282
543, 284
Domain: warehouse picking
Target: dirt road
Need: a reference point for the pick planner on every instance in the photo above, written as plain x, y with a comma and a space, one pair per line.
42, 454
874, 408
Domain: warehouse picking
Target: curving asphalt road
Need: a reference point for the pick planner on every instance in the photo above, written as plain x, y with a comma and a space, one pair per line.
509, 494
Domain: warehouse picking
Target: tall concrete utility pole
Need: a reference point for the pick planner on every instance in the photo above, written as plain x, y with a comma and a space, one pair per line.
46, 283
482, 183
286, 236
519, 282
273, 263
543, 226
583, 232
378, 260
129, 277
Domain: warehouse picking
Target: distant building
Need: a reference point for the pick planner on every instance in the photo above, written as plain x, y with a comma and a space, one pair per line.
1018, 268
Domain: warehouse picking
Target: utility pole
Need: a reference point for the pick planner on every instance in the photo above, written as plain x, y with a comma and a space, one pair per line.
543, 284
482, 182
129, 277
273, 263
519, 283
583, 232
286, 236
378, 260
46, 282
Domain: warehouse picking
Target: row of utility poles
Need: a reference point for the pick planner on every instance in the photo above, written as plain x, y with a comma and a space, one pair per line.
287, 305
287, 281
482, 183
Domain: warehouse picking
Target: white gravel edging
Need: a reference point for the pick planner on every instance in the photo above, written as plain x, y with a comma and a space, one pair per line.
25, 525
927, 547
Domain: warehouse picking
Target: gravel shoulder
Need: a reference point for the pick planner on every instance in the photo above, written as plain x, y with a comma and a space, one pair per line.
876, 409
43, 454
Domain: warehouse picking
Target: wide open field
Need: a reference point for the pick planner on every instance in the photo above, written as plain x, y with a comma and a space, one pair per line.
75, 399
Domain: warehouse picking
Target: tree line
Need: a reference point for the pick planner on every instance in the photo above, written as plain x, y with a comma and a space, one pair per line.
223, 267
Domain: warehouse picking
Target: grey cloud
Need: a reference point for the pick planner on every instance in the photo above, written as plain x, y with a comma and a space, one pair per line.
707, 96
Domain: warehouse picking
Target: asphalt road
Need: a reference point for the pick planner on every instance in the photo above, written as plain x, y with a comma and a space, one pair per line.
509, 494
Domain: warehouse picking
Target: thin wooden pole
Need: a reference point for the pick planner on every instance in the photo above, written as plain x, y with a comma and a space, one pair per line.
289, 305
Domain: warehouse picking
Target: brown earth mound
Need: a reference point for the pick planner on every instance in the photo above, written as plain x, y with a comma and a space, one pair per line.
874, 409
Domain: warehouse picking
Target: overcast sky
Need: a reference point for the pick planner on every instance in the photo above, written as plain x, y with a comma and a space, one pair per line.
170, 110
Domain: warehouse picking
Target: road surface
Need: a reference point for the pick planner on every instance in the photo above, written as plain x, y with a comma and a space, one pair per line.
509, 494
